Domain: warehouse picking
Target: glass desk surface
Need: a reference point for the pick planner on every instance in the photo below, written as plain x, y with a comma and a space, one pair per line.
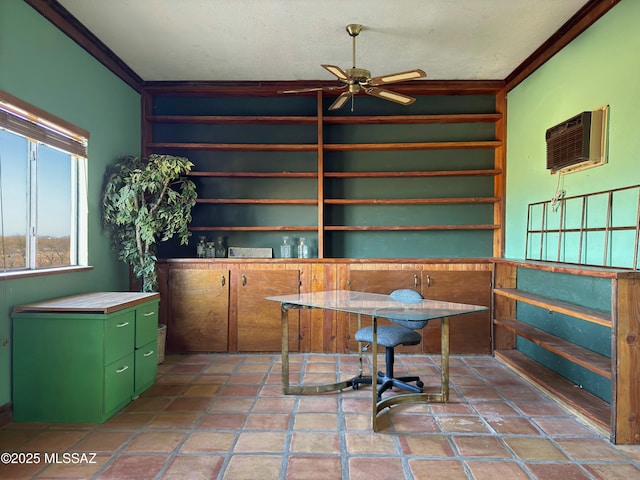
377, 305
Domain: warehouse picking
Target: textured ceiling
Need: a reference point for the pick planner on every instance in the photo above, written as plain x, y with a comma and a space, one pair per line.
234, 40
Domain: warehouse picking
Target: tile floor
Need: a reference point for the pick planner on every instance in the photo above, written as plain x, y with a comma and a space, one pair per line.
224, 416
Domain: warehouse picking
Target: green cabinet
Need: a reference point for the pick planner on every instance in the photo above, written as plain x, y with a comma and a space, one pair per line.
82, 358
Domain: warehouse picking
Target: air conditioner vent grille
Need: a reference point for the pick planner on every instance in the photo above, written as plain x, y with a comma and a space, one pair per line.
568, 142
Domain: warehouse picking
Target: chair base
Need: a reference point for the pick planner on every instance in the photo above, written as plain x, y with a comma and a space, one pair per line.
387, 381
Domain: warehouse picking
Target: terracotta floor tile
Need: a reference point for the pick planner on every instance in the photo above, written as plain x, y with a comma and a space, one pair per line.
318, 403
53, 441
414, 423
437, 469
213, 379
103, 441
247, 466
494, 408
155, 442
134, 467
480, 446
189, 404
497, 470
11, 439
554, 471
193, 467
460, 424
19, 471
370, 443
148, 404
314, 468
426, 445
452, 409
561, 426
511, 425
532, 448
363, 468
158, 390
127, 421
86, 467
544, 408
615, 471
315, 421
594, 449
221, 421
202, 390
267, 421
232, 404
315, 442
178, 379
179, 421
357, 421
186, 368
275, 405
208, 442
247, 378
260, 442
632, 451
480, 393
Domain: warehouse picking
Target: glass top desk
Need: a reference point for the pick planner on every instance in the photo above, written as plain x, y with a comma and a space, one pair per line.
376, 306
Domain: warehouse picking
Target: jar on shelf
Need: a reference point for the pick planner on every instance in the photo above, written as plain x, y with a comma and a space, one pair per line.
303, 248
201, 247
210, 250
285, 248
221, 247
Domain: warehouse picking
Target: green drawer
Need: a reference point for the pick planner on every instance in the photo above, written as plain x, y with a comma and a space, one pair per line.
146, 323
119, 336
146, 367
118, 384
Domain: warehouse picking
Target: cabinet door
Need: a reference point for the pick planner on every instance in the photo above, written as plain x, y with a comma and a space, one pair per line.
198, 310
259, 320
381, 281
470, 333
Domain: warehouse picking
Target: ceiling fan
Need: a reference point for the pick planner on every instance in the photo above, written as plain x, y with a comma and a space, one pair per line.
355, 79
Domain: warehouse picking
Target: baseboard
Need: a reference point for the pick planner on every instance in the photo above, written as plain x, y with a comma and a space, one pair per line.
6, 414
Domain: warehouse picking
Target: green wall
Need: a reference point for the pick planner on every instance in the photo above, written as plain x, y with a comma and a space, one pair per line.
600, 67
42, 66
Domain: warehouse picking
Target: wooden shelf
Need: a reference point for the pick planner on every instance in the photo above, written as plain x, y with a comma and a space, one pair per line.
257, 201
433, 173
584, 313
255, 174
581, 356
234, 119
271, 228
248, 147
345, 147
408, 227
591, 408
410, 201
415, 119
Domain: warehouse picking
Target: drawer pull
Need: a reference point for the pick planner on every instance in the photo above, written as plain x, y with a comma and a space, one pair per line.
148, 354
244, 280
148, 314
120, 370
120, 325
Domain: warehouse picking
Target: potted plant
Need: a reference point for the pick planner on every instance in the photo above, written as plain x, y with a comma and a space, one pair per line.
144, 202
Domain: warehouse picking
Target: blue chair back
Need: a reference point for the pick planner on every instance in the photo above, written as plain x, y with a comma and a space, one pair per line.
406, 295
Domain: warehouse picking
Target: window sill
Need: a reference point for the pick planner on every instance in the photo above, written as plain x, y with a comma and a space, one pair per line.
10, 275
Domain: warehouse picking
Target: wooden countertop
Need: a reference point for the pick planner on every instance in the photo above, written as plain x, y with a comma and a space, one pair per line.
95, 302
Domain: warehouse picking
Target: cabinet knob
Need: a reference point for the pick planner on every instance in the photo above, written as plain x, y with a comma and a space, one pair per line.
428, 281
415, 280
222, 280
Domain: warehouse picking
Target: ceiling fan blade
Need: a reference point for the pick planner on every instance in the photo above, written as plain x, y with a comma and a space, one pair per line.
397, 77
340, 101
312, 89
389, 95
337, 71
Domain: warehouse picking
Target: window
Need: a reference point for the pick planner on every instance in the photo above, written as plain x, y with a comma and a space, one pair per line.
43, 189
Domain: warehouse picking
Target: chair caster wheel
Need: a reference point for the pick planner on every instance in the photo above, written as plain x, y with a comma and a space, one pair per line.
419, 384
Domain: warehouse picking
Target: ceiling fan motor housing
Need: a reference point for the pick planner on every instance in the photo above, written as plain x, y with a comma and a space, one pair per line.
359, 75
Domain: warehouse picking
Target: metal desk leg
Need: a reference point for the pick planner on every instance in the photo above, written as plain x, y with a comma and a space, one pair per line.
444, 358
374, 374
288, 389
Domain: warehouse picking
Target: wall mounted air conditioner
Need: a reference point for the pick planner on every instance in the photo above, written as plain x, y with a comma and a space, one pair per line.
578, 143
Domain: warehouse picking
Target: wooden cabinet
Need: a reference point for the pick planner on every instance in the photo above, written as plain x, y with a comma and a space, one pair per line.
562, 326
198, 319
470, 334
82, 358
258, 320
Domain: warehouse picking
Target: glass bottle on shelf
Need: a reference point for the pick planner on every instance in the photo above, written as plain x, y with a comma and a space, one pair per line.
303, 248
285, 248
200, 248
221, 247
210, 250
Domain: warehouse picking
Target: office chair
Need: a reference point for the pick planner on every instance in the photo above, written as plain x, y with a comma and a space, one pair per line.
403, 332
